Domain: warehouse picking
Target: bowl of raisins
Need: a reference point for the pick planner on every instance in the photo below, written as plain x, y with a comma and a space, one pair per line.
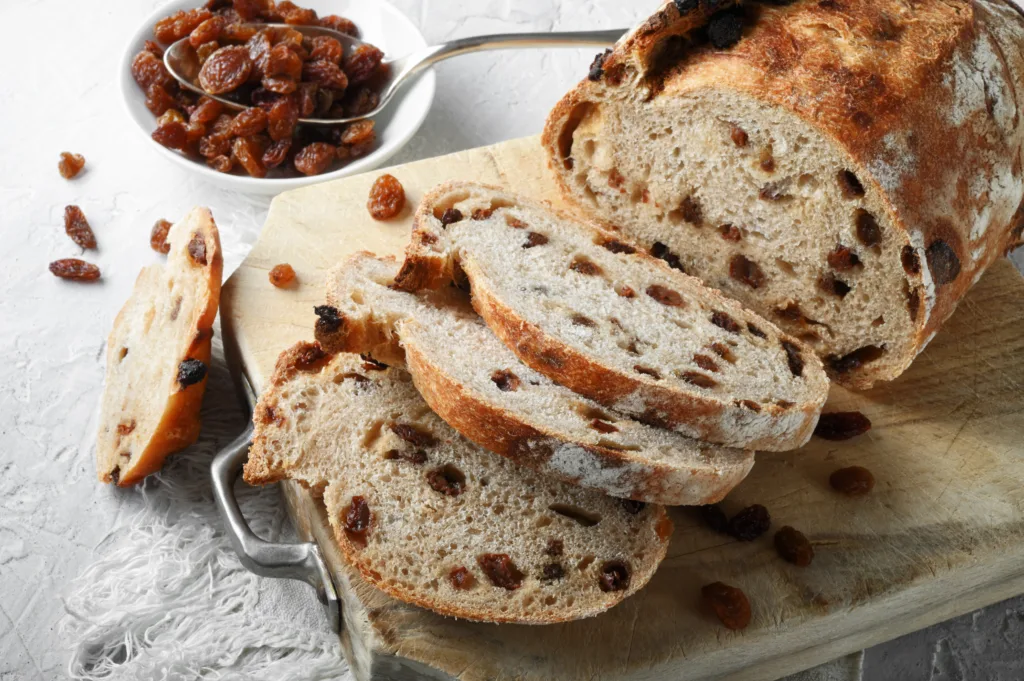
279, 75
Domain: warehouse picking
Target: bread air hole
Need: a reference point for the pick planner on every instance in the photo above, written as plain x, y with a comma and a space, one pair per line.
786, 267
449, 202
581, 516
585, 562
566, 136
849, 185
589, 412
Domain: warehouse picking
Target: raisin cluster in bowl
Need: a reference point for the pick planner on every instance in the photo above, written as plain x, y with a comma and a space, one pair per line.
278, 73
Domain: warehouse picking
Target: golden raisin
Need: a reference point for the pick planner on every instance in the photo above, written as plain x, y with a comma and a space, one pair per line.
314, 158
158, 236
282, 275
362, 62
73, 268
340, 24
225, 70
387, 198
77, 227
70, 164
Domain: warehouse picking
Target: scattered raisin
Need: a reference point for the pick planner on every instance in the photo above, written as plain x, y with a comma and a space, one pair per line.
197, 249
850, 185
159, 100
613, 576
413, 435
854, 481
357, 520
314, 159
868, 231
842, 425
584, 266
793, 546
70, 164
447, 480
691, 211
943, 262
729, 604
158, 236
73, 268
730, 232
461, 579
225, 70
325, 74
665, 296
535, 239
311, 358
750, 523
746, 271
77, 227
282, 275
625, 291
326, 48
910, 259
756, 331
856, 359
387, 198
662, 252
616, 246
724, 321
505, 380
843, 259
793, 357
714, 517
751, 405
190, 372
500, 569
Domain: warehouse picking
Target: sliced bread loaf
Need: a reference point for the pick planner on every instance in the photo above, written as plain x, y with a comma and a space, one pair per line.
846, 169
157, 356
594, 314
431, 518
476, 384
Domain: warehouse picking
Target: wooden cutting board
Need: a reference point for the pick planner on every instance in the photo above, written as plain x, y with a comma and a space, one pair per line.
942, 533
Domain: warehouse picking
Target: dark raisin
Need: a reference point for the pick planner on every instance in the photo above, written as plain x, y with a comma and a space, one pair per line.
603, 426
461, 579
724, 321
829, 283
505, 380
500, 569
197, 249
447, 480
225, 70
158, 236
684, 7
190, 372
725, 28
750, 523
387, 198
370, 364
616, 246
311, 358
73, 268
739, 136
282, 275
943, 262
856, 359
662, 252
362, 62
746, 271
698, 379
555, 547
842, 425
843, 259
756, 331
357, 520
665, 296
632, 507
729, 604
417, 457
315, 158
793, 357
705, 362
850, 185
552, 571
413, 435
597, 66
911, 261
584, 266
793, 546
854, 481
535, 239
70, 164
714, 517
691, 211
77, 227
868, 231
730, 232
330, 320
613, 576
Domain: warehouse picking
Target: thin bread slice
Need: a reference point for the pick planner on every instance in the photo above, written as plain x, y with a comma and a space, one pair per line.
593, 313
479, 387
157, 356
434, 520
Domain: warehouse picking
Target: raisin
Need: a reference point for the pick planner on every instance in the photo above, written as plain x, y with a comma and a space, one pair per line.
73, 268
315, 158
910, 259
282, 61
843, 259
299, 16
723, 351
555, 547
207, 31
340, 24
552, 572
329, 319
750, 523
868, 231
596, 70
691, 211
756, 331
411, 434
698, 379
370, 364
662, 252
326, 48
725, 29
248, 10
773, 191
535, 239
450, 215
730, 232
793, 546
77, 227
829, 283
714, 517
751, 405
249, 154
190, 372
361, 102
359, 132
793, 357
207, 111
197, 249
158, 236
729, 604
357, 520
281, 121
850, 185
249, 122
603, 426
746, 271
276, 153
632, 507
159, 100
616, 246
70, 164
739, 136
943, 262
325, 74
767, 162
481, 213
583, 266
613, 576
417, 457
221, 163
842, 425
225, 70
705, 362
854, 481
447, 480
665, 296
282, 275
148, 70
153, 48
311, 358
172, 135
387, 198
855, 360
282, 85
500, 569
461, 579
505, 380
625, 291
724, 321
362, 62
180, 24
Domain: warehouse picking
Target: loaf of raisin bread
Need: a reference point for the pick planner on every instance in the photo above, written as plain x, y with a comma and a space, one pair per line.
157, 356
846, 169
435, 520
587, 309
476, 384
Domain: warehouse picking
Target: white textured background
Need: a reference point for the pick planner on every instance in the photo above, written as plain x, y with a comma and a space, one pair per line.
55, 520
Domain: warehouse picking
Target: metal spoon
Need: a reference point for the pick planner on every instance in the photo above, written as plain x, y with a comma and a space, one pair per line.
181, 60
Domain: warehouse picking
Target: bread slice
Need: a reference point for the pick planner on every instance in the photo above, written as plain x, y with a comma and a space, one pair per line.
435, 520
845, 169
594, 314
157, 356
476, 384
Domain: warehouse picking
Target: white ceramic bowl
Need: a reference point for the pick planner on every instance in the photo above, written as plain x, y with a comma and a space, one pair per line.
379, 23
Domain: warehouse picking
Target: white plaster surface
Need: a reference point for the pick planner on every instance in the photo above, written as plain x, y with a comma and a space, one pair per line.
55, 519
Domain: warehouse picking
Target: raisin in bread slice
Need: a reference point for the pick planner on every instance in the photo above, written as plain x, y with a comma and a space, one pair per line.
434, 520
476, 384
589, 311
847, 170
157, 356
